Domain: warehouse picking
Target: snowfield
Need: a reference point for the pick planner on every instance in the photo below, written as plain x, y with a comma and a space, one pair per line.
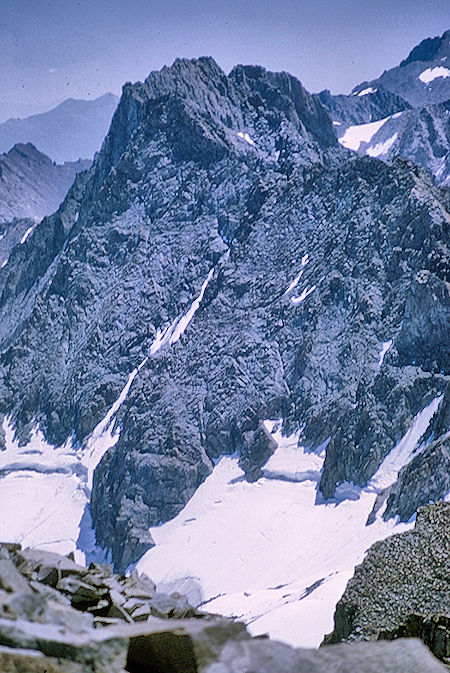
273, 552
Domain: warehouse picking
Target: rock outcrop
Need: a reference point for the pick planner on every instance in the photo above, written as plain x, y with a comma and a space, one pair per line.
402, 588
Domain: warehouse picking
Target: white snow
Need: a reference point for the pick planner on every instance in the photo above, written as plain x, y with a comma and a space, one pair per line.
405, 450
173, 332
268, 552
105, 435
384, 349
431, 74
246, 137
381, 148
364, 92
45, 490
361, 133
42, 493
294, 283
302, 296
336, 123
4, 263
26, 234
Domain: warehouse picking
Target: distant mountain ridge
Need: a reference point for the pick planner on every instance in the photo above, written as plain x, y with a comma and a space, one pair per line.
31, 184
404, 113
423, 78
73, 130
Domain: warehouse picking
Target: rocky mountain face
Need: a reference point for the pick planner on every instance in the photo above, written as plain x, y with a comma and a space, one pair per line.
59, 617
402, 588
405, 113
233, 263
71, 131
31, 184
367, 105
421, 135
422, 78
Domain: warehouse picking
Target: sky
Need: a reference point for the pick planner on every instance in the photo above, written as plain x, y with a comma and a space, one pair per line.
56, 49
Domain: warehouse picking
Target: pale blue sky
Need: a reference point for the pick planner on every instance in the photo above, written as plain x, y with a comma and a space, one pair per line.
54, 49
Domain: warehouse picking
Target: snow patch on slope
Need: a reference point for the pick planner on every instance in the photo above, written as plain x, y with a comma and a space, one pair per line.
361, 133
294, 283
245, 136
26, 234
405, 450
382, 148
364, 92
384, 349
431, 74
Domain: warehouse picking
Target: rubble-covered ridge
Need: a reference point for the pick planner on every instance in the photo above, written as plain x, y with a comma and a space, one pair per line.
402, 588
59, 617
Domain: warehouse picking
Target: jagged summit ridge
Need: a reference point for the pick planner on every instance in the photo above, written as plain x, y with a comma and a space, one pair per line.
212, 189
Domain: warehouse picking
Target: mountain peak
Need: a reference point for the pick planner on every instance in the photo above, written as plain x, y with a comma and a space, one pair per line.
427, 50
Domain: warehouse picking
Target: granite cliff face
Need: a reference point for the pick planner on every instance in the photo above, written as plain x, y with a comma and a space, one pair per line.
225, 243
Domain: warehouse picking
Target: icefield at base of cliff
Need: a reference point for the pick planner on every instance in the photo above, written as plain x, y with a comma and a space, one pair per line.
274, 553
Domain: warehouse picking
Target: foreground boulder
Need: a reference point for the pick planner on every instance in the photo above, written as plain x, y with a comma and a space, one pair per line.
265, 656
402, 588
59, 617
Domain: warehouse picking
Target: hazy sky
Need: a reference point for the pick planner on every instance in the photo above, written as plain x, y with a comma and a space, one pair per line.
54, 49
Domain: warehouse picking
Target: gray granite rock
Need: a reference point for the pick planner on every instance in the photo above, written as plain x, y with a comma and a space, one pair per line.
178, 194
402, 587
262, 656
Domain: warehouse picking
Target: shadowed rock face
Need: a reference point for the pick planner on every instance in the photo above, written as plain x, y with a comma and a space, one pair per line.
354, 109
230, 180
402, 587
31, 185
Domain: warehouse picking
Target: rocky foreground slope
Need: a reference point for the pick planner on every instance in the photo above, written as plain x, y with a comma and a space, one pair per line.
233, 263
58, 617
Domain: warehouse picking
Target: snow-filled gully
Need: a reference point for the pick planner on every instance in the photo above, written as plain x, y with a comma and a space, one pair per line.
46, 489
